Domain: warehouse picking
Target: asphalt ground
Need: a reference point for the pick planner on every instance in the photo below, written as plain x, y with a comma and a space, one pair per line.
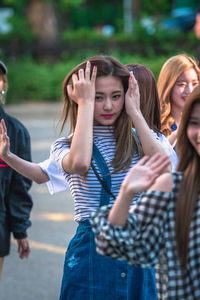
39, 276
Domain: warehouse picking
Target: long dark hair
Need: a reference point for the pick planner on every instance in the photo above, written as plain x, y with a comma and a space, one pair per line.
126, 141
189, 164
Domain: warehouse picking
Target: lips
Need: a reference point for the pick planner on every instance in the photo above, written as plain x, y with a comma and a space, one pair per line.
107, 116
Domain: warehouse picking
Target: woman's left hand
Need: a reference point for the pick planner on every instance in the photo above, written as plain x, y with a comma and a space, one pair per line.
132, 97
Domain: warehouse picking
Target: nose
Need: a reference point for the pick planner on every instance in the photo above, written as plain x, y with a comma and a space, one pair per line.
189, 88
198, 133
108, 104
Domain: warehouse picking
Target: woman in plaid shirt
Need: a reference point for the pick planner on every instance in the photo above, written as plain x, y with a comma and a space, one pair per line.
164, 228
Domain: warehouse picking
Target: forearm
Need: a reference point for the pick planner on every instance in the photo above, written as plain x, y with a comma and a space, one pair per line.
150, 144
119, 212
26, 168
79, 158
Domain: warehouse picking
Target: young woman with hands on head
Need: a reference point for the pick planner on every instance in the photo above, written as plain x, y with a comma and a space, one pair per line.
101, 103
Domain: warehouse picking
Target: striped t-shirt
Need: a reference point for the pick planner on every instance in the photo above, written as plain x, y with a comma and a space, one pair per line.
86, 191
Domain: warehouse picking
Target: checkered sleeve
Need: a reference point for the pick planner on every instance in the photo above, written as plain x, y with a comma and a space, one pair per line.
140, 240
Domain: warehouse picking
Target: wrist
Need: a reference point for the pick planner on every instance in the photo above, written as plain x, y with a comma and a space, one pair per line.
126, 193
7, 156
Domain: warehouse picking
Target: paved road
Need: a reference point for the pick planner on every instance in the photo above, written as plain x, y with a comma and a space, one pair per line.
39, 276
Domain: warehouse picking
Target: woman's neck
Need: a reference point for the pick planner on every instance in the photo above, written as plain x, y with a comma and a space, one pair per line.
176, 114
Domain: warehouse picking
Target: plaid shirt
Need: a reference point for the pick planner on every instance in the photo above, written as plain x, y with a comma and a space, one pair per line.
148, 239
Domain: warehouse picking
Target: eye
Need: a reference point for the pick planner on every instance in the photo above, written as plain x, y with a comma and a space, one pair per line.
98, 98
181, 84
193, 123
195, 83
116, 97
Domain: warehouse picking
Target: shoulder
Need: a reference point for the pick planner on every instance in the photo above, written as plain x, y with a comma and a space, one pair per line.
60, 145
163, 183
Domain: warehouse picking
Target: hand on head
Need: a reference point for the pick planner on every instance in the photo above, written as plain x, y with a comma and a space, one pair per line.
4, 139
83, 86
132, 97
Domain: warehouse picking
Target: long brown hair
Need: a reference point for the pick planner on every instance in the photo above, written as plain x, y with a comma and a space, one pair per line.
126, 141
149, 100
170, 72
189, 164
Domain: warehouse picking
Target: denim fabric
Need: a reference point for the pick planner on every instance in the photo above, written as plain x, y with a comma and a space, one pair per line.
90, 276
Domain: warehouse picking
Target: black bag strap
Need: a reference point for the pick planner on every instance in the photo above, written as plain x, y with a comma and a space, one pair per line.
105, 181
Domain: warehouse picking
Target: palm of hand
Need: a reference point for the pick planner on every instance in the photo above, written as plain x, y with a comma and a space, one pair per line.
132, 97
4, 139
140, 178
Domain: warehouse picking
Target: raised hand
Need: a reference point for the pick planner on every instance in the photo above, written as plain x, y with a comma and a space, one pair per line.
144, 173
83, 87
4, 140
132, 97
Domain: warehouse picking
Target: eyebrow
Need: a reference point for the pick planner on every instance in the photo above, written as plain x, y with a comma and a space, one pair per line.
118, 91
194, 117
184, 80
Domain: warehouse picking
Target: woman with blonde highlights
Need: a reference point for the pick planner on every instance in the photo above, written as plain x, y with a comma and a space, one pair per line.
178, 77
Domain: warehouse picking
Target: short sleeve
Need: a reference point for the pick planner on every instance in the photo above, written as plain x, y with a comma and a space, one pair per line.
57, 182
169, 151
59, 149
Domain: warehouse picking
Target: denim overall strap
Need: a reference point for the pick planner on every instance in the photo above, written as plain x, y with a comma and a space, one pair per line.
100, 161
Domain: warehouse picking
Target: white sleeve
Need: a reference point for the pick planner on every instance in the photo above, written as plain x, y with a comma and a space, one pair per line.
57, 182
59, 149
169, 150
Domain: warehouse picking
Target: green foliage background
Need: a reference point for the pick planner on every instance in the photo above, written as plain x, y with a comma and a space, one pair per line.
33, 79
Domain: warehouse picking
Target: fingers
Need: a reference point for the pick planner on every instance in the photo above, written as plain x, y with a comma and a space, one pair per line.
143, 160
87, 70
70, 90
158, 162
94, 74
24, 249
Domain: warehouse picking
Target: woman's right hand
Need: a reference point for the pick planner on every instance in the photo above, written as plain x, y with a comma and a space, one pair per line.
144, 173
82, 88
4, 140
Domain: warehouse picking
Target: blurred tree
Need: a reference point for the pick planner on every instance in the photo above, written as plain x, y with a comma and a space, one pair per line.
44, 24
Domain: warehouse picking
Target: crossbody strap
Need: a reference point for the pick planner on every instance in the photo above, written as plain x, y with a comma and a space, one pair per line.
105, 178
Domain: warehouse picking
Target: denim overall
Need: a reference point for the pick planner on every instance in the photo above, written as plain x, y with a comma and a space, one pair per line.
90, 276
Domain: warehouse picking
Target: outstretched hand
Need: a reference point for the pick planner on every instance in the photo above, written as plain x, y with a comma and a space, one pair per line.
4, 140
83, 87
144, 173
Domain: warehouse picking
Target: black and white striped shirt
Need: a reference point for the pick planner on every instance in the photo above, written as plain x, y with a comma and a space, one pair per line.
86, 191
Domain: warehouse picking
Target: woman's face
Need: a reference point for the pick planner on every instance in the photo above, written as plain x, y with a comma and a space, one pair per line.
193, 128
109, 100
183, 88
